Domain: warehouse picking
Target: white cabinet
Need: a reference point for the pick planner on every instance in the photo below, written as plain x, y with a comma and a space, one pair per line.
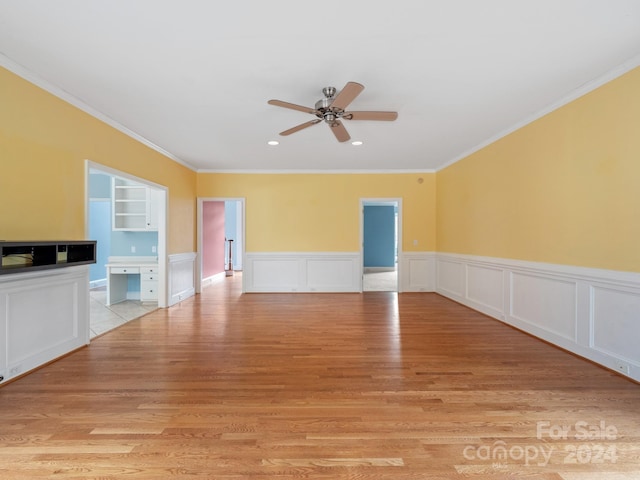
134, 206
149, 284
119, 269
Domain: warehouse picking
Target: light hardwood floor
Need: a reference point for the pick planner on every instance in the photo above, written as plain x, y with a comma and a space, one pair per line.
319, 386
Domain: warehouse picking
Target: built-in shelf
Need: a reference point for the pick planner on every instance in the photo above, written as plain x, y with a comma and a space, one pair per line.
25, 256
134, 206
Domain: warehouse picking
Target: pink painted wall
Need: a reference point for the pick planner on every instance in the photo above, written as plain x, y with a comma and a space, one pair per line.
213, 247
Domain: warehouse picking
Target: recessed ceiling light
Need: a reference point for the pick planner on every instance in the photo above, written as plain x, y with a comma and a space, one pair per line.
357, 142
273, 142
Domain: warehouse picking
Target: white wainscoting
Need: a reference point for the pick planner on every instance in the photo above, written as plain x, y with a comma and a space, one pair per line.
417, 272
591, 312
43, 315
302, 272
181, 277
330, 272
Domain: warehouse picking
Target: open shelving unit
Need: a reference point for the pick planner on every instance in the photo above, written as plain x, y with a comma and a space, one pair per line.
133, 206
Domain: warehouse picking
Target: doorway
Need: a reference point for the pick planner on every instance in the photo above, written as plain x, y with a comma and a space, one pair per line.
380, 226
123, 243
221, 239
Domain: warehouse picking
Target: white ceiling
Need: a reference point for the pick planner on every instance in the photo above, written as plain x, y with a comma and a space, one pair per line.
193, 77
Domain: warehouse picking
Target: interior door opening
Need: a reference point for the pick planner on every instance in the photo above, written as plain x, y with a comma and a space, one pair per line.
220, 239
126, 225
380, 227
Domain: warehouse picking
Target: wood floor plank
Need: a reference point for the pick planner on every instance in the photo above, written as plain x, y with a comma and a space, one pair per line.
319, 386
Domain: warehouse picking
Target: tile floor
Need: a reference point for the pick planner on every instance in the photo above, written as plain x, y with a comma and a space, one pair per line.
103, 318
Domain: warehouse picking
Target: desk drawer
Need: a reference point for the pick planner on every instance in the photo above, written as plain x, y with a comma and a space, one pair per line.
149, 270
148, 277
124, 270
148, 291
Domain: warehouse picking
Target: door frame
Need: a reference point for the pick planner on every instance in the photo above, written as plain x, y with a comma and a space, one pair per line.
162, 219
200, 210
390, 201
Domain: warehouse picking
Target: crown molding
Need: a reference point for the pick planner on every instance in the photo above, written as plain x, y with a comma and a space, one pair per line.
570, 97
46, 85
326, 172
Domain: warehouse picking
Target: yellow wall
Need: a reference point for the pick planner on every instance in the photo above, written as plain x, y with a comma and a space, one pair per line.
320, 212
44, 142
564, 189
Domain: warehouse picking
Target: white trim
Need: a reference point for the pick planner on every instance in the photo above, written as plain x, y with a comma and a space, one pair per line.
330, 272
98, 283
418, 272
163, 208
568, 98
46, 85
132, 260
41, 331
397, 202
591, 312
200, 200
213, 279
621, 278
268, 272
314, 171
181, 276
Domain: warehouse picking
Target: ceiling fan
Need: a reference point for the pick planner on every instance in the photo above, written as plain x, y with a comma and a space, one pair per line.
331, 109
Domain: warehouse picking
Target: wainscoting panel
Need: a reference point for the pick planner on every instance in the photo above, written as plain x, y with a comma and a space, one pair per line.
181, 277
485, 289
616, 315
302, 272
275, 274
418, 272
544, 302
591, 312
451, 278
43, 315
332, 274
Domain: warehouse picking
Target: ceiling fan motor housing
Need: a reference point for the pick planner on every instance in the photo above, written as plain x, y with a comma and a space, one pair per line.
323, 106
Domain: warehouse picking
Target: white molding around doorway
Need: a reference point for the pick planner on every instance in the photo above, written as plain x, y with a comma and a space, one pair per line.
162, 219
391, 201
201, 200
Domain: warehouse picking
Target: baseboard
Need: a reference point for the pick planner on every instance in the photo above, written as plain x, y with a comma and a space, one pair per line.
98, 283
213, 279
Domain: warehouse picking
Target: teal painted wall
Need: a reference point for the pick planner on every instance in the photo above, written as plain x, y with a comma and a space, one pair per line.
379, 236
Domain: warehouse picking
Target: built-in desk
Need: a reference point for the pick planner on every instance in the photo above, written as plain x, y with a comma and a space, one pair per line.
118, 273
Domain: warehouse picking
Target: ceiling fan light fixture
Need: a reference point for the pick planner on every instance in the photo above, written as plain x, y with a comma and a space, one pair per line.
330, 117
273, 142
357, 143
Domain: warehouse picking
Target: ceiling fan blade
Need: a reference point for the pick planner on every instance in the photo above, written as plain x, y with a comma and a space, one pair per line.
292, 106
300, 127
350, 91
382, 116
339, 131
